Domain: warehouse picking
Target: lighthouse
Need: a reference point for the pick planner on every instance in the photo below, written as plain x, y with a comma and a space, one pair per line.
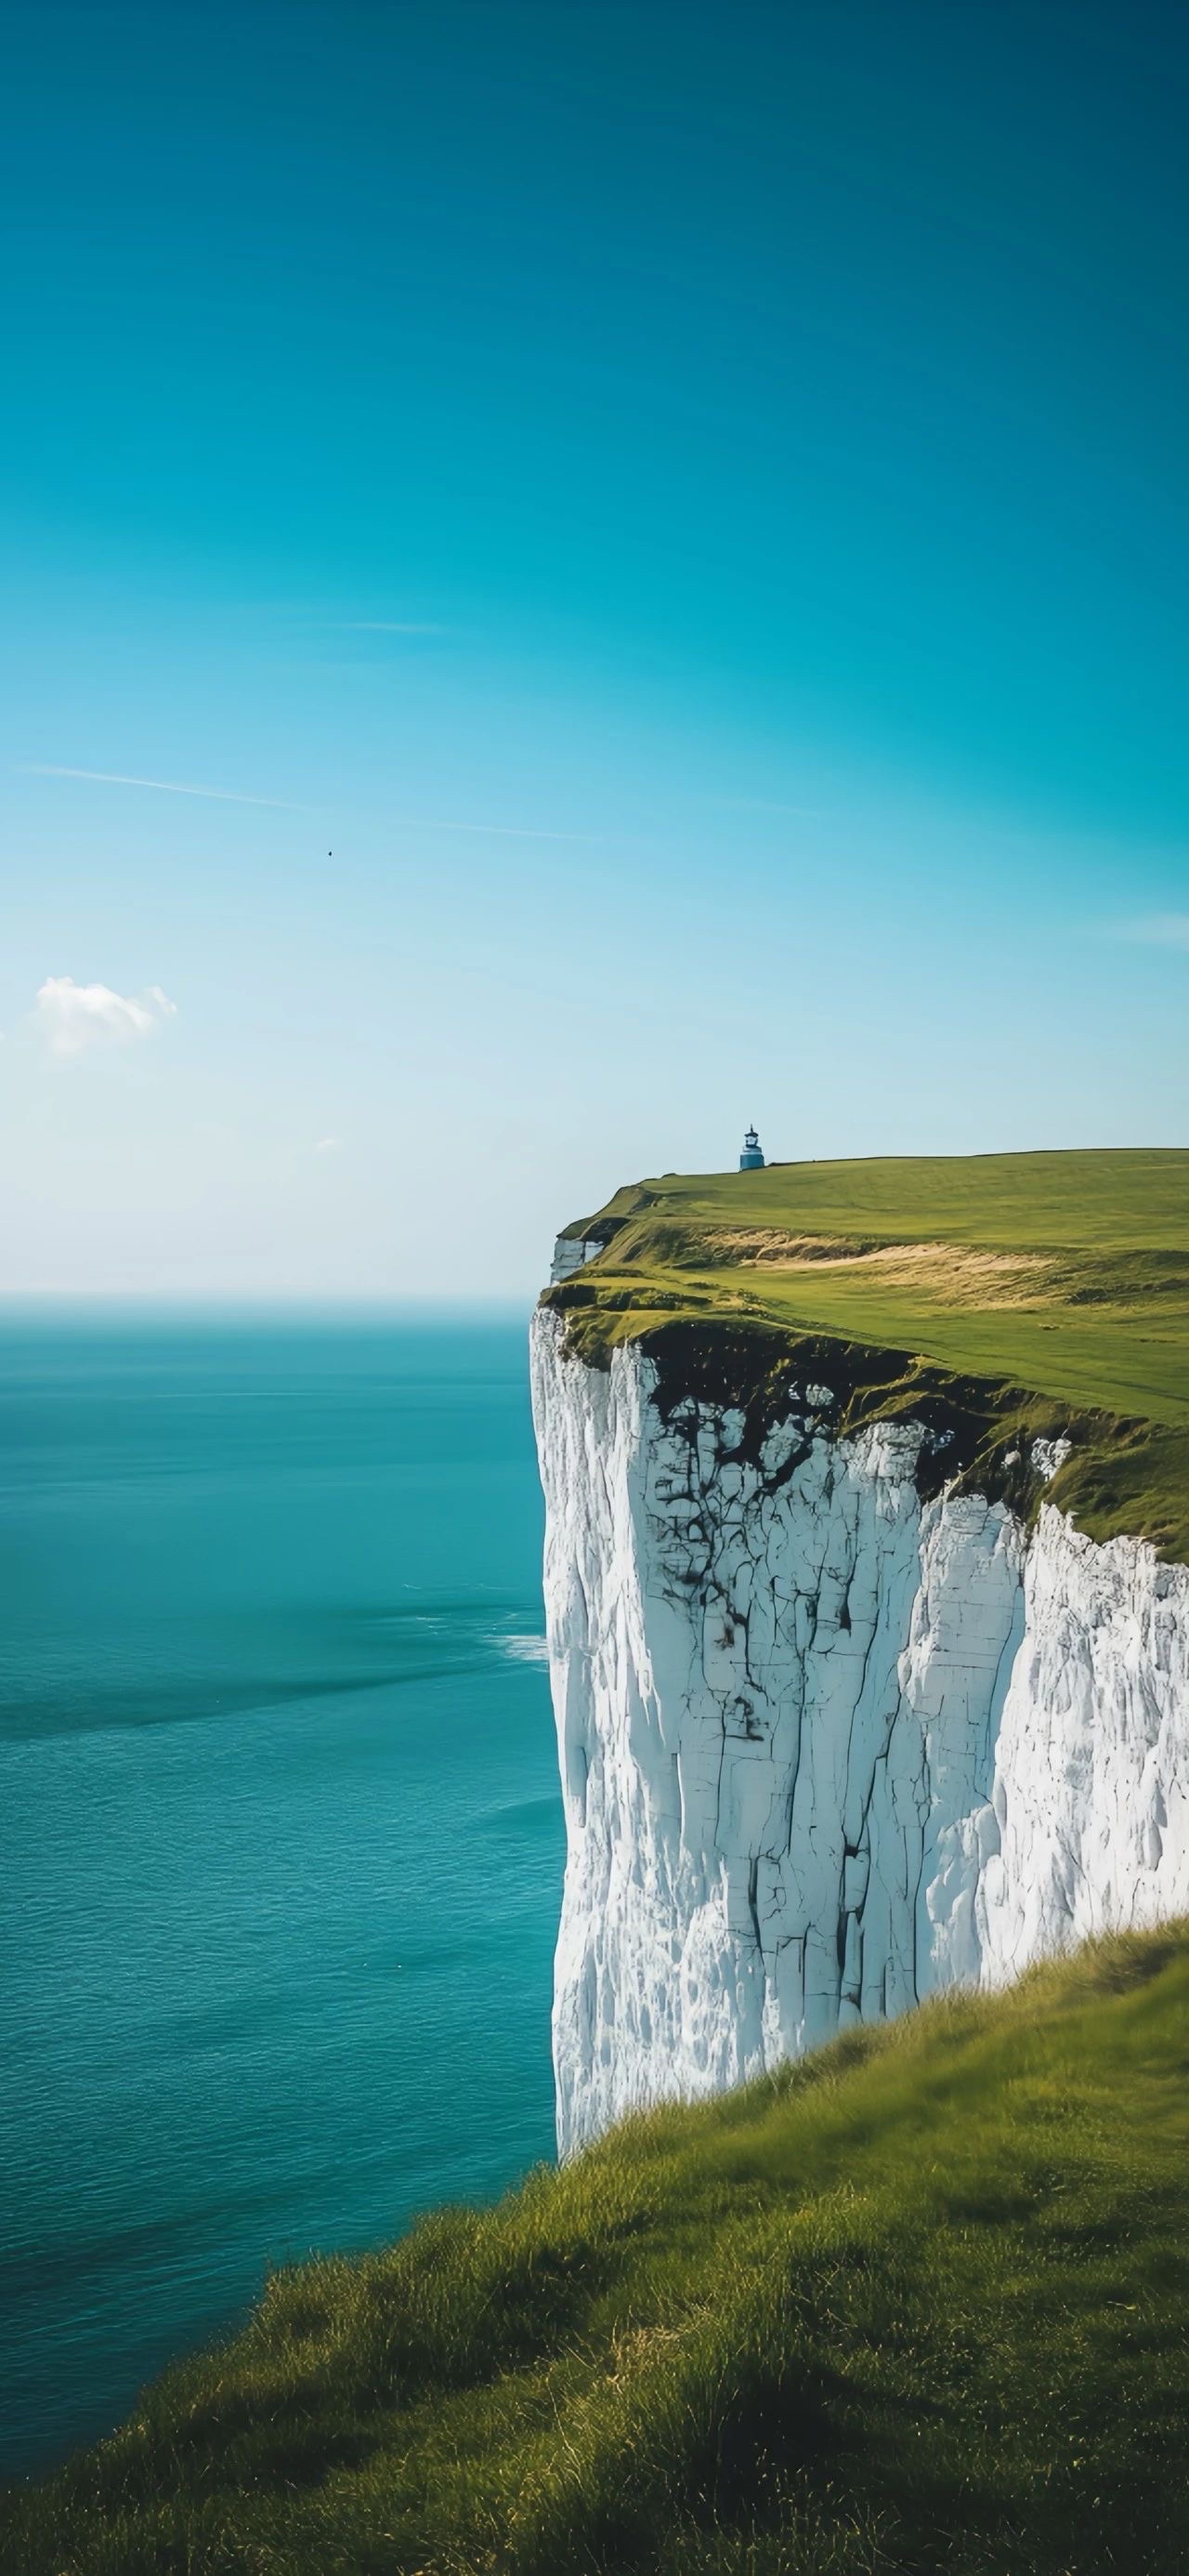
751, 1158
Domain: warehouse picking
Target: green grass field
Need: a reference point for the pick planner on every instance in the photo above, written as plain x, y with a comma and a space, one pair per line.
918, 2304
1065, 1275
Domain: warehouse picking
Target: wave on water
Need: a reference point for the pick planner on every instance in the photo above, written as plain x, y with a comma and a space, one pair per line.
522, 1650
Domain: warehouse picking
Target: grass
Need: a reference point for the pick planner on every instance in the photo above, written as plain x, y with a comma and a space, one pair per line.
919, 2303
1064, 1275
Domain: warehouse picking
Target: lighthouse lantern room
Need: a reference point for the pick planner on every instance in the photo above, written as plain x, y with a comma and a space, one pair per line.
751, 1158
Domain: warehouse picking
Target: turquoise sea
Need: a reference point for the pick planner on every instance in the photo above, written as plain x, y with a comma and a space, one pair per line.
282, 1839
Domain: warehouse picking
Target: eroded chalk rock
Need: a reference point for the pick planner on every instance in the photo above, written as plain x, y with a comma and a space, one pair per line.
825, 1748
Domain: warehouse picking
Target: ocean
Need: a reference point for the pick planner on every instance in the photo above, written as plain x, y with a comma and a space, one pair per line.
278, 1801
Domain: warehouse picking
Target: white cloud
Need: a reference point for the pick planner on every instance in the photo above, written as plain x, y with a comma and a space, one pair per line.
73, 1016
329, 1145
1157, 929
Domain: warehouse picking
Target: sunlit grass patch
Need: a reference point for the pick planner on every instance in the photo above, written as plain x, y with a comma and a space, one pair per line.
918, 2302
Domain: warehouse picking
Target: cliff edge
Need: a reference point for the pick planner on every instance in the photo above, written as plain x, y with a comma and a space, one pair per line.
850, 1708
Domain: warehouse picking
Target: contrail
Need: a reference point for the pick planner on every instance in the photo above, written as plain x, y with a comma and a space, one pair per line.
165, 786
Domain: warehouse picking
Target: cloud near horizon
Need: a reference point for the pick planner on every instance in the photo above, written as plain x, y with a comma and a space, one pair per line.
73, 1017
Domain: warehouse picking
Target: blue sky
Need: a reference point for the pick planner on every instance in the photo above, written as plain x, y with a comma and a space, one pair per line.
659, 532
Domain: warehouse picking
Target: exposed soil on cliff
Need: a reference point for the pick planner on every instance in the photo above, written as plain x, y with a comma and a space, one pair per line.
998, 1299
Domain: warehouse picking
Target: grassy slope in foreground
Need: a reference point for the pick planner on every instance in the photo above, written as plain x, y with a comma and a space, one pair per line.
1062, 1275
917, 2303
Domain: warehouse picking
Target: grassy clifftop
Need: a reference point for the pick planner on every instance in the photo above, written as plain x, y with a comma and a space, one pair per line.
917, 2304
1057, 1283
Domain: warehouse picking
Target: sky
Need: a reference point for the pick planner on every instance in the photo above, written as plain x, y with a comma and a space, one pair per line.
577, 576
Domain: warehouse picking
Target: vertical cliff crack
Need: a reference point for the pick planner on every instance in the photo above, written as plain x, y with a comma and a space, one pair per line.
753, 1883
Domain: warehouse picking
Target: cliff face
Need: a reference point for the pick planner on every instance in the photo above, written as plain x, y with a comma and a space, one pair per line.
825, 1748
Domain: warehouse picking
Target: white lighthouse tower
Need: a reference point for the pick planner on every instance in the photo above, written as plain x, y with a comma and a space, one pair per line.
751, 1158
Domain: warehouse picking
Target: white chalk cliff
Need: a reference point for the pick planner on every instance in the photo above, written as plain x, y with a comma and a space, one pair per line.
826, 1748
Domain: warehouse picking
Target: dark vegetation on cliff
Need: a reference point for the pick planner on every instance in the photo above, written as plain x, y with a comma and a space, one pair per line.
1019, 1295
919, 2303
